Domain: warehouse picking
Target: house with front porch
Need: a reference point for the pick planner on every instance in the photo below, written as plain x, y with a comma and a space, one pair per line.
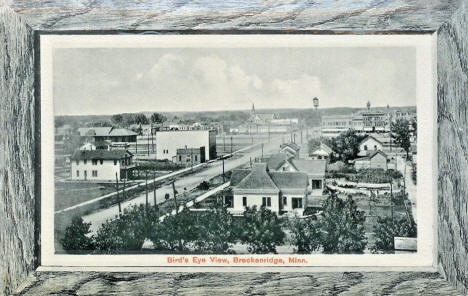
279, 191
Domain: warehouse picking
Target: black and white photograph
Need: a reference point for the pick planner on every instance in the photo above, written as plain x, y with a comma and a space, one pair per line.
255, 150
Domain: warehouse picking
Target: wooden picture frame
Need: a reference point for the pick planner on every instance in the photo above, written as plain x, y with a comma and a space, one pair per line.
22, 21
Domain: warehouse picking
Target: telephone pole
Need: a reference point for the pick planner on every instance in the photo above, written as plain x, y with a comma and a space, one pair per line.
175, 197
118, 199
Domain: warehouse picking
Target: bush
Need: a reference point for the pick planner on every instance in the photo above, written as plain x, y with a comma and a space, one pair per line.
262, 231
76, 238
305, 234
204, 185
212, 232
374, 176
386, 230
127, 232
342, 226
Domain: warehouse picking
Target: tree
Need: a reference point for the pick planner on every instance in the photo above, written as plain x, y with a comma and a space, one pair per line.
305, 234
387, 229
346, 145
141, 119
77, 236
158, 118
117, 119
342, 226
99, 123
261, 231
401, 134
128, 231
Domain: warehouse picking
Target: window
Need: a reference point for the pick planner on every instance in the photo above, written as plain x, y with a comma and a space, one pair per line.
375, 147
296, 203
285, 201
196, 158
316, 184
244, 201
180, 157
115, 161
77, 173
365, 147
85, 161
101, 161
94, 161
94, 173
266, 201
77, 162
229, 201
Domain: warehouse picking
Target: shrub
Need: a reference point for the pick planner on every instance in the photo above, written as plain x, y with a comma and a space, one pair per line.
386, 229
342, 226
262, 230
305, 234
77, 237
204, 185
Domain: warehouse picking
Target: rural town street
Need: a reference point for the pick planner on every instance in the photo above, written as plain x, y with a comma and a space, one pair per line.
410, 187
187, 182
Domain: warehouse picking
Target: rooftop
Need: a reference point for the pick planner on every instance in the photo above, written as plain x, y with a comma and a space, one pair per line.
105, 131
315, 167
277, 160
101, 154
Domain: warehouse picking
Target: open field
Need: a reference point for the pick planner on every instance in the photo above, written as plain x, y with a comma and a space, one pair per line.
68, 194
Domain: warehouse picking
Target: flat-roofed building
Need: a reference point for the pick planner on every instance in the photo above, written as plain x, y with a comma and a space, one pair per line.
167, 143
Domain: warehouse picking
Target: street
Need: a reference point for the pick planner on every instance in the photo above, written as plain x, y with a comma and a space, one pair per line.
185, 183
405, 170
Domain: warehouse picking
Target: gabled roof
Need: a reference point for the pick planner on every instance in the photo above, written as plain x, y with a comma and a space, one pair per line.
315, 167
94, 131
368, 138
326, 148
121, 132
290, 180
238, 175
265, 116
101, 154
291, 145
370, 156
258, 179
277, 160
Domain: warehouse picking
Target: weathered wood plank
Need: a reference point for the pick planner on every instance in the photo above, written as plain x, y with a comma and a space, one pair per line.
17, 206
452, 68
92, 283
341, 15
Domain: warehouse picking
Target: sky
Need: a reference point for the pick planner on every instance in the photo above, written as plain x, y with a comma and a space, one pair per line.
120, 80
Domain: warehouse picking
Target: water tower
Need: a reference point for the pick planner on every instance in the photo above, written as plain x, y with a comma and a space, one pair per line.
316, 103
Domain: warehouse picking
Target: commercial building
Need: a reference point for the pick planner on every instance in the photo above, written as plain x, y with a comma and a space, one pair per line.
101, 165
167, 143
190, 156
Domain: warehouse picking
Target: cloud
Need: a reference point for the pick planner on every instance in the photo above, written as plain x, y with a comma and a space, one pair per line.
300, 90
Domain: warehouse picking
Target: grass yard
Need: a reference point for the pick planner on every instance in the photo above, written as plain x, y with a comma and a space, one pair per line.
68, 194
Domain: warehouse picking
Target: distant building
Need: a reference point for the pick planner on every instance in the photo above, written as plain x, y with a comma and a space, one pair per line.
101, 165
267, 123
278, 191
167, 143
369, 145
375, 160
291, 149
100, 145
323, 152
190, 156
108, 133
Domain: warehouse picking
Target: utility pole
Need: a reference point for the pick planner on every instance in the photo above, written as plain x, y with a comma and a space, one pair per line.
146, 190
175, 197
152, 142
154, 189
224, 181
118, 199
262, 151
148, 145
231, 145
391, 200
224, 142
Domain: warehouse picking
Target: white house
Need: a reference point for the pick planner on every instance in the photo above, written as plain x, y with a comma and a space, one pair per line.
369, 145
278, 191
167, 142
315, 170
376, 160
101, 165
291, 149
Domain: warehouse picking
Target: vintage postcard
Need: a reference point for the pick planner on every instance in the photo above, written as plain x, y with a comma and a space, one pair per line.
238, 150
